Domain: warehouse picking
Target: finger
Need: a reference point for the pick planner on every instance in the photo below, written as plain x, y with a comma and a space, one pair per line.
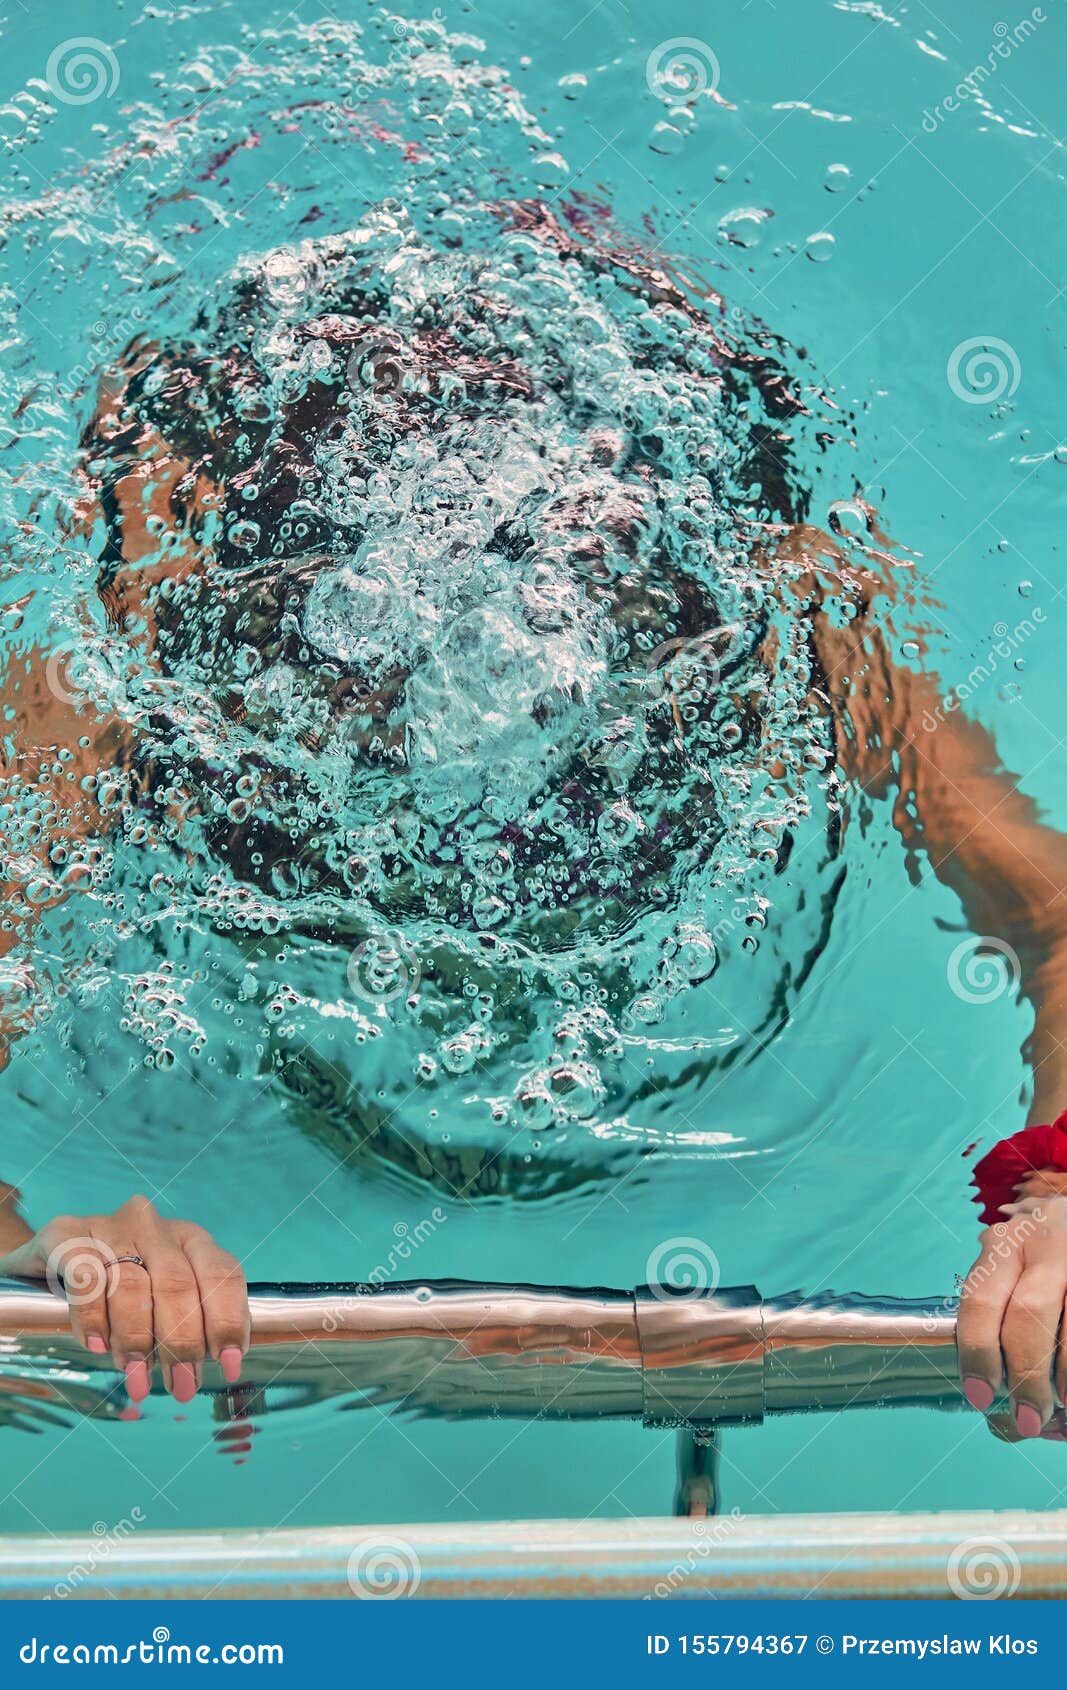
1037, 1184
76, 1263
983, 1301
129, 1307
179, 1324
1061, 1362
1028, 1340
223, 1299
1003, 1428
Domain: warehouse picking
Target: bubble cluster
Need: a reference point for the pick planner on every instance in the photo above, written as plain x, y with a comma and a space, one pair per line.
155, 1012
440, 724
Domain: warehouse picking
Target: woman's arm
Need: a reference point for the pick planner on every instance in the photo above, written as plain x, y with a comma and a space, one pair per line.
183, 1298
13, 1229
187, 1300
956, 806
954, 803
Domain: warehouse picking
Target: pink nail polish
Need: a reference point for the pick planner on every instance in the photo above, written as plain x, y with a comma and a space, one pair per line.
979, 1393
138, 1382
231, 1360
96, 1344
183, 1382
1028, 1420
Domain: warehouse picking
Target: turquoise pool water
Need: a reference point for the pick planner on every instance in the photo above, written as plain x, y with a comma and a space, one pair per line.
809, 1102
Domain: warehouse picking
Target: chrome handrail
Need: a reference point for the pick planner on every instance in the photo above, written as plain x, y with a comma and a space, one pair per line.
685, 1358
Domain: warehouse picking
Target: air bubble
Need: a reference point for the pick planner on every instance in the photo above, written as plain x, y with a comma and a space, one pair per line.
666, 139
744, 227
820, 246
551, 170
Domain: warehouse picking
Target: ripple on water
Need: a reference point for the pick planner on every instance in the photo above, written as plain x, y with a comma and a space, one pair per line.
463, 738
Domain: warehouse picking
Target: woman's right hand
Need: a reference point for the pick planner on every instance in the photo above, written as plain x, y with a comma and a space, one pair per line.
1011, 1311
186, 1300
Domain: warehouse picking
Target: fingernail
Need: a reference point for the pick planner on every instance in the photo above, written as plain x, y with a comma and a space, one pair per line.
979, 1393
1028, 1420
183, 1382
231, 1360
138, 1383
95, 1343
167, 1372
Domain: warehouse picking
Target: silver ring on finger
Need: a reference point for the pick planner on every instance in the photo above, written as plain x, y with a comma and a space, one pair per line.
136, 1260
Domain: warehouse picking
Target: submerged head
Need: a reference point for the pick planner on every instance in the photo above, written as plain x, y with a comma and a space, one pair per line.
455, 627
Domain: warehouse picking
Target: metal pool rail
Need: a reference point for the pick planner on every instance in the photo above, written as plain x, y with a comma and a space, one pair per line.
1014, 1553
697, 1360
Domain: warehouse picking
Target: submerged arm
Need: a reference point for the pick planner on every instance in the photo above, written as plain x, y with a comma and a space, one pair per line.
187, 1297
147, 1288
955, 804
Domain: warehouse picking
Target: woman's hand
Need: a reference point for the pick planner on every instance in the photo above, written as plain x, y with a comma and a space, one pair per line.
188, 1300
1011, 1310
1043, 1182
